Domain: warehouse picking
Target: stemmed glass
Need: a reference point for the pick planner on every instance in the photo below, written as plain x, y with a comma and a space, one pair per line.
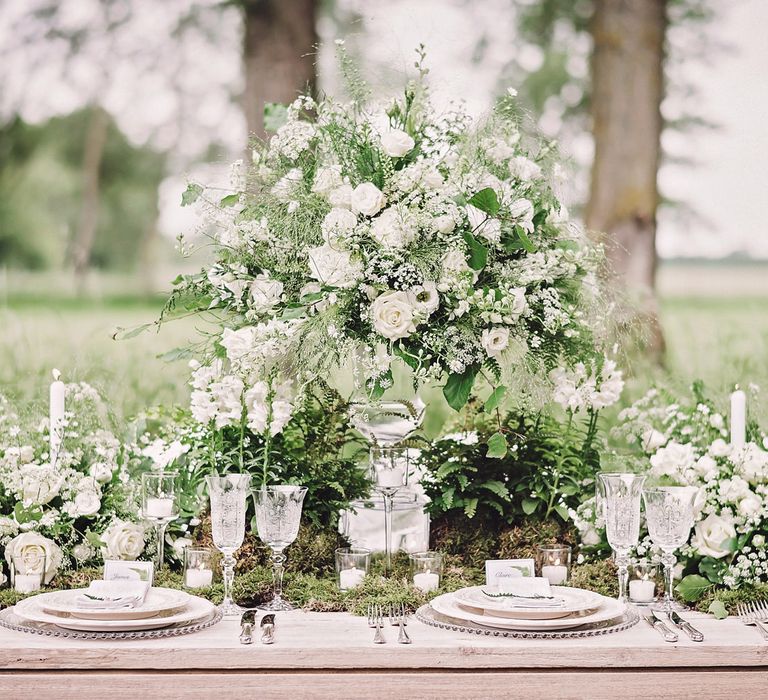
389, 473
228, 494
386, 423
278, 515
620, 494
669, 512
158, 505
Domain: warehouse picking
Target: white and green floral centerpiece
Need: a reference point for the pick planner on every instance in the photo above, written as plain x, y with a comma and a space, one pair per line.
390, 233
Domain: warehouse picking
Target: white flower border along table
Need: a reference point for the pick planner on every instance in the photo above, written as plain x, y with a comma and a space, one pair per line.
333, 656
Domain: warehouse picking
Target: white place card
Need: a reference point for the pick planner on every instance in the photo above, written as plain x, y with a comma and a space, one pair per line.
497, 571
526, 587
117, 570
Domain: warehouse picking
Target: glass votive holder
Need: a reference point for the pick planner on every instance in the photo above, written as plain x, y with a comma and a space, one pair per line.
554, 563
352, 565
426, 569
642, 582
198, 567
28, 572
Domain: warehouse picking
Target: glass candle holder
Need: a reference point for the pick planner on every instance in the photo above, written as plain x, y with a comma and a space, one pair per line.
426, 569
554, 563
198, 567
28, 572
352, 565
642, 583
159, 506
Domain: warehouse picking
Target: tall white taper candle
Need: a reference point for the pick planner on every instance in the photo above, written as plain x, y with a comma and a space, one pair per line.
738, 418
56, 415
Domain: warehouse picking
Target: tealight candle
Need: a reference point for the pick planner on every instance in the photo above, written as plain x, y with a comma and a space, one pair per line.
27, 583
426, 582
555, 574
642, 590
198, 578
158, 508
350, 578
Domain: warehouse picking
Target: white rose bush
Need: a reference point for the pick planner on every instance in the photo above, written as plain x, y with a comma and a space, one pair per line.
397, 233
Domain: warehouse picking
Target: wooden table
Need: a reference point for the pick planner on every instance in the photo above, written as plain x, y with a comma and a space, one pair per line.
332, 656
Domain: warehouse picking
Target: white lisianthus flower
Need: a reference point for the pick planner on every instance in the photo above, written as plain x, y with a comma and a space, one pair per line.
41, 483
334, 268
705, 465
367, 199
393, 315
712, 536
86, 502
396, 143
673, 459
337, 225
82, 552
286, 186
30, 552
483, 225
393, 228
652, 440
750, 504
733, 489
101, 472
719, 448
495, 340
123, 540
341, 197
258, 408
265, 293
327, 179
425, 297
444, 223
524, 169
521, 210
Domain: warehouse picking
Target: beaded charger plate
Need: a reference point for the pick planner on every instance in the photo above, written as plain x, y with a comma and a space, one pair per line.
429, 616
10, 620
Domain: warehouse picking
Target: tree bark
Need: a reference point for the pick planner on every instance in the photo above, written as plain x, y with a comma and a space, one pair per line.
278, 55
85, 235
627, 89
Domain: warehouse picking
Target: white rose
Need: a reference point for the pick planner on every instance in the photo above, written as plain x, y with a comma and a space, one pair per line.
705, 465
82, 552
41, 483
393, 229
332, 267
719, 448
341, 197
425, 297
337, 224
123, 540
524, 169
265, 293
367, 199
101, 471
327, 179
758, 541
711, 536
444, 224
673, 459
86, 502
749, 505
495, 340
27, 551
392, 315
396, 143
483, 225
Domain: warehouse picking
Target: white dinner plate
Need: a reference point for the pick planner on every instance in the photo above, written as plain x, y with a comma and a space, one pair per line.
157, 602
447, 604
574, 600
196, 609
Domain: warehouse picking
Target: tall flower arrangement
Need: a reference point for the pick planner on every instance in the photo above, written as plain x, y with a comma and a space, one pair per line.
394, 232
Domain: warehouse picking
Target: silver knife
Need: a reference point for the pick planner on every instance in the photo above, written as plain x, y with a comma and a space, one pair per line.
661, 628
247, 621
268, 629
686, 626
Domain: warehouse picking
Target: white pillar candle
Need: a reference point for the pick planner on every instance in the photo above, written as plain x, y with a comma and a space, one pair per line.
198, 578
27, 583
555, 574
350, 578
738, 419
426, 582
390, 478
56, 415
158, 508
642, 590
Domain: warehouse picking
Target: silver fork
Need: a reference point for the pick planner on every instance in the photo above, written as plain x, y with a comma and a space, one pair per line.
376, 619
754, 614
398, 616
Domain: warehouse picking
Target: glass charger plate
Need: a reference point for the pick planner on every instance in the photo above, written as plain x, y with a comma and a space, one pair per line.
431, 617
12, 621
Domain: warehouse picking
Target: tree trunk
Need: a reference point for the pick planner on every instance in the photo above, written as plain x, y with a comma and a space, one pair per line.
627, 89
85, 235
278, 55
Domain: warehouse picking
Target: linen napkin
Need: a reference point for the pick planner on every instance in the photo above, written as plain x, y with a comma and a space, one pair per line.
113, 595
525, 592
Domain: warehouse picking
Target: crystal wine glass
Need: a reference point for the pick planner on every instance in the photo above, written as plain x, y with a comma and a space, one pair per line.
278, 515
386, 423
620, 494
228, 494
389, 473
158, 505
669, 512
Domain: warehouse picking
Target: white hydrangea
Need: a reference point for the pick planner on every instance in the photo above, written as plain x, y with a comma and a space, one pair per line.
293, 138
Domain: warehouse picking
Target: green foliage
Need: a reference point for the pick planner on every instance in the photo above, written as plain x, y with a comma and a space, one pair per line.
458, 387
693, 587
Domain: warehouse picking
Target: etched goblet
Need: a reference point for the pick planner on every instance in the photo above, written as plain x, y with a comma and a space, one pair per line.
669, 512
228, 494
278, 515
389, 473
158, 505
620, 494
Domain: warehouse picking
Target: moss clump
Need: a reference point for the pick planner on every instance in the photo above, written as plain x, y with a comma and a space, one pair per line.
463, 537
732, 598
520, 542
599, 576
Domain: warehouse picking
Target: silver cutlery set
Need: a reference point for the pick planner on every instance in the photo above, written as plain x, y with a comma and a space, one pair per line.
656, 620
398, 617
755, 613
248, 622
